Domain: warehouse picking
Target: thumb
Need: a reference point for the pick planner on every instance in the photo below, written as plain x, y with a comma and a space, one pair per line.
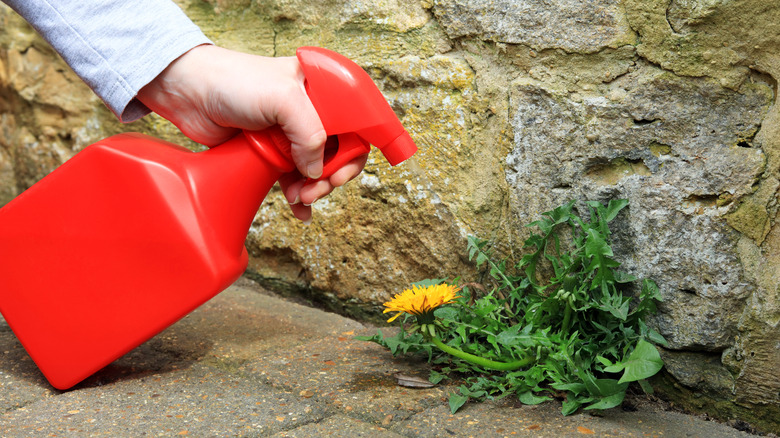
301, 124
307, 148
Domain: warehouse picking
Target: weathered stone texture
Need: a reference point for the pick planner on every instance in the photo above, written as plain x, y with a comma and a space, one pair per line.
680, 149
517, 106
587, 26
46, 113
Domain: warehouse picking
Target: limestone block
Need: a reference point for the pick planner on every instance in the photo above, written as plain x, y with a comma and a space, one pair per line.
720, 39
570, 25
679, 149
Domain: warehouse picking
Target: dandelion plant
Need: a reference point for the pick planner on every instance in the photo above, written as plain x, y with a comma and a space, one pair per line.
572, 331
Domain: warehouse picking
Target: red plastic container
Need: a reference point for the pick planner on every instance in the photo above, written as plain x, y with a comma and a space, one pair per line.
133, 233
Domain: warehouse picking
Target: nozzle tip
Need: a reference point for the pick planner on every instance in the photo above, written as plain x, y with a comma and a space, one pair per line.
400, 149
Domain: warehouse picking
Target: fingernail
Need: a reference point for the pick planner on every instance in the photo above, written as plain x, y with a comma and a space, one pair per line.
314, 170
307, 222
297, 200
312, 202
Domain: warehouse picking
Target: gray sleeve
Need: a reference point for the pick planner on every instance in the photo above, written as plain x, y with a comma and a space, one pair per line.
115, 46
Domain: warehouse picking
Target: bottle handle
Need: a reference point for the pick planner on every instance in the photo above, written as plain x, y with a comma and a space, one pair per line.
339, 149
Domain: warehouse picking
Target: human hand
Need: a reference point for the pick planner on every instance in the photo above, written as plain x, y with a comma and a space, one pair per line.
210, 93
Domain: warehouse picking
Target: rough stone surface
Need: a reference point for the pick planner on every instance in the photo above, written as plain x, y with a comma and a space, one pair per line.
589, 26
517, 106
677, 149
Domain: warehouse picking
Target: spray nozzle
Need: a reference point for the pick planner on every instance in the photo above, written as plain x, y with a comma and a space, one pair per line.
353, 111
352, 108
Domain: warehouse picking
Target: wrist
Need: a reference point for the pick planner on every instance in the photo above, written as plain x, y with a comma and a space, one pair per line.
181, 92
175, 84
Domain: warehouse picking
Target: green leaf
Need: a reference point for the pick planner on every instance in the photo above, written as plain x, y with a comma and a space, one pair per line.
570, 405
485, 306
477, 388
604, 361
646, 386
650, 291
622, 277
642, 363
614, 207
457, 401
616, 368
461, 330
529, 398
492, 341
601, 387
429, 282
656, 338
589, 381
618, 309
609, 387
573, 387
448, 313
395, 342
561, 214
511, 338
436, 377
608, 402
596, 245
378, 338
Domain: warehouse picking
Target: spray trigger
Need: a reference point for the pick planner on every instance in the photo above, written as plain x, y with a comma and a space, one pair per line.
339, 151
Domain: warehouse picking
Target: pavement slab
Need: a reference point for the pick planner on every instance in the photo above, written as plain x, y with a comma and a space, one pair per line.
339, 426
492, 419
199, 400
356, 377
251, 364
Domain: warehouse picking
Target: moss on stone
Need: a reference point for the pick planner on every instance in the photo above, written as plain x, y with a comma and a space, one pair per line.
751, 216
751, 417
616, 169
659, 149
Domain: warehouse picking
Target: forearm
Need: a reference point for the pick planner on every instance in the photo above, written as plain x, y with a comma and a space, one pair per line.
116, 47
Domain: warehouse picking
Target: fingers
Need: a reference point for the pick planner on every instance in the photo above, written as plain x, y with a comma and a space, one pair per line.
349, 171
308, 153
291, 186
204, 131
310, 193
301, 195
301, 123
302, 212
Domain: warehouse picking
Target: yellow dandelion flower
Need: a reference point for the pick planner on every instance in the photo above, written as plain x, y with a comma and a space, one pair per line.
421, 301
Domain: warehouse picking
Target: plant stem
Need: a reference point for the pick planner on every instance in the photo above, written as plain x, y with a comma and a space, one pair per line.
566, 320
481, 361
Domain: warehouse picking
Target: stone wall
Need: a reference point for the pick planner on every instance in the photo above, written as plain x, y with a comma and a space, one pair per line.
517, 106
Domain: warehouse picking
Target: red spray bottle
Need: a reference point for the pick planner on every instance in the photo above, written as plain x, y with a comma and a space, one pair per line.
133, 233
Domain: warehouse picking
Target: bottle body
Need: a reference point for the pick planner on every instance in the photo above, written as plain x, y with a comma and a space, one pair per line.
133, 233
122, 241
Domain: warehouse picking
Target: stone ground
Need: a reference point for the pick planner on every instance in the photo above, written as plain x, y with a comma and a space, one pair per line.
250, 364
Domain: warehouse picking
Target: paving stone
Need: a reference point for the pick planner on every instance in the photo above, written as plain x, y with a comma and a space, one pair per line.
545, 421
354, 376
20, 381
200, 401
337, 427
